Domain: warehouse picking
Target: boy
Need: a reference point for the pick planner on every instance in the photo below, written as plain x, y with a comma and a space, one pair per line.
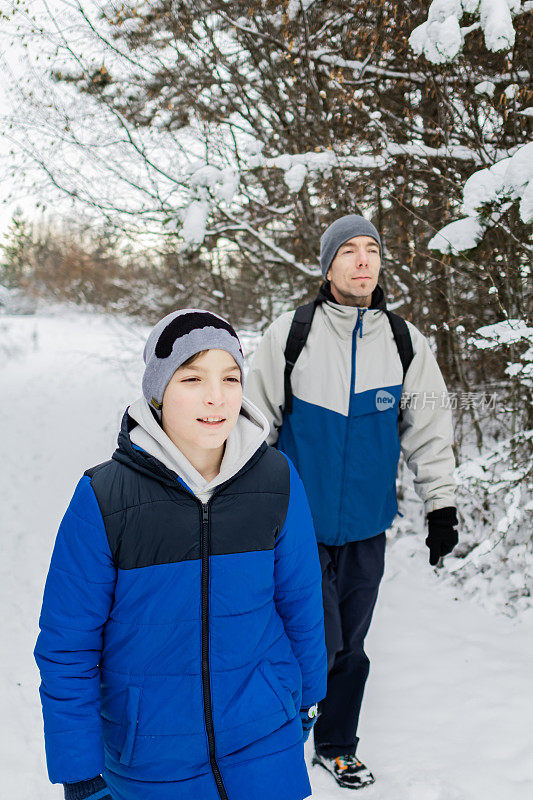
182, 642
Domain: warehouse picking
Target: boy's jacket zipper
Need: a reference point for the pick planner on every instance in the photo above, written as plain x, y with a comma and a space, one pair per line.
206, 680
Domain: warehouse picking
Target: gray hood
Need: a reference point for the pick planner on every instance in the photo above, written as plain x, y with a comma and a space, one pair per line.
246, 437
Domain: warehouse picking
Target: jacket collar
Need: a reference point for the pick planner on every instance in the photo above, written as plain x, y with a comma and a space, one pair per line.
146, 464
377, 301
341, 319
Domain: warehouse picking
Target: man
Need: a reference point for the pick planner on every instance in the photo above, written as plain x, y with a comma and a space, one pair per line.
338, 418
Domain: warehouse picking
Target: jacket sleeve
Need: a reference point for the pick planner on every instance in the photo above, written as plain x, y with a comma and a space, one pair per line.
426, 428
298, 591
77, 600
264, 384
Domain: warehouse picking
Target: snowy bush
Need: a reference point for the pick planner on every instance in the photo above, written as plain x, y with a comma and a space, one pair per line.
494, 560
15, 301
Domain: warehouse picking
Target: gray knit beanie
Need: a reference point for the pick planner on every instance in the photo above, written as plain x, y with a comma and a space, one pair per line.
339, 232
176, 338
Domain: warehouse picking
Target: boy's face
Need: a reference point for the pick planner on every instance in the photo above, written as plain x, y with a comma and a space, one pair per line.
208, 389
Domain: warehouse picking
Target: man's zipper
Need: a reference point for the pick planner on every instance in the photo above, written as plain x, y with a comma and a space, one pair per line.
206, 683
358, 329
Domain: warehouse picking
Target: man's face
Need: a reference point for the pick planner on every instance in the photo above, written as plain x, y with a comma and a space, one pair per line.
354, 271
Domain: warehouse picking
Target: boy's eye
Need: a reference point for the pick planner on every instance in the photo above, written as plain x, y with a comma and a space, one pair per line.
232, 379
188, 380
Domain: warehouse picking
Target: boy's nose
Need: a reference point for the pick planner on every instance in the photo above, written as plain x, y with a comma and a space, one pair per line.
213, 396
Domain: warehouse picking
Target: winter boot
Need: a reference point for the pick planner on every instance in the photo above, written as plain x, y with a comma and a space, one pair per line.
348, 771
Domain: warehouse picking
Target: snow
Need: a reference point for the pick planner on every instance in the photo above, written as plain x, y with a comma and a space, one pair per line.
517, 180
317, 161
360, 67
295, 6
484, 186
206, 175
205, 181
440, 38
294, 177
509, 331
228, 185
505, 181
194, 222
495, 16
441, 10
526, 203
438, 41
485, 87
463, 234
417, 148
448, 707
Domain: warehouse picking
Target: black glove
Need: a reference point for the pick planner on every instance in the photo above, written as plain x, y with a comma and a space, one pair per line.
95, 789
308, 719
442, 536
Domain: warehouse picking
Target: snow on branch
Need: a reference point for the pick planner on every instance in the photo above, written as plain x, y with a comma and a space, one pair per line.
210, 185
505, 333
440, 38
508, 331
463, 234
295, 6
362, 67
297, 166
486, 193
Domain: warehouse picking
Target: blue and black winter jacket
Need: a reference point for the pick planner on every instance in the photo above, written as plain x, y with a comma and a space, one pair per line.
178, 636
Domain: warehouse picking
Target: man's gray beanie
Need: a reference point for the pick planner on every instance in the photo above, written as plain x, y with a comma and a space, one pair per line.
339, 232
176, 338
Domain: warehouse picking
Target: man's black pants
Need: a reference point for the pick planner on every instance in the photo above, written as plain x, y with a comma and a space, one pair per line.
351, 574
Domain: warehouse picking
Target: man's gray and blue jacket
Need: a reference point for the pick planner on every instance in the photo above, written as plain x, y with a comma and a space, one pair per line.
344, 434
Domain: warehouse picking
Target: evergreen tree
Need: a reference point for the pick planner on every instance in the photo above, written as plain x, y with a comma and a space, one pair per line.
16, 252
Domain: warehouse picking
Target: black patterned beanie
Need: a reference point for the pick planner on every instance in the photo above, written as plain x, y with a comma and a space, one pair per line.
178, 337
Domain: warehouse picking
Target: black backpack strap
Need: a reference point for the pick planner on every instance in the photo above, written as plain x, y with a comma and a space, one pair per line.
403, 340
298, 333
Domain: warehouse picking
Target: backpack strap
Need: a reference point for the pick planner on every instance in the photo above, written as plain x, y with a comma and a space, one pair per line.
298, 333
403, 340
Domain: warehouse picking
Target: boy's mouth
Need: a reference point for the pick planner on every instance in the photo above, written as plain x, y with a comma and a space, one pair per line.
213, 422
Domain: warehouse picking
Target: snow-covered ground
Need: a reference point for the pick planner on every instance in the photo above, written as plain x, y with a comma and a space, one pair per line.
449, 701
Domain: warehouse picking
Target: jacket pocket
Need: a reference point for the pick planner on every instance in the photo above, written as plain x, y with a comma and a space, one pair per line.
132, 720
284, 695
